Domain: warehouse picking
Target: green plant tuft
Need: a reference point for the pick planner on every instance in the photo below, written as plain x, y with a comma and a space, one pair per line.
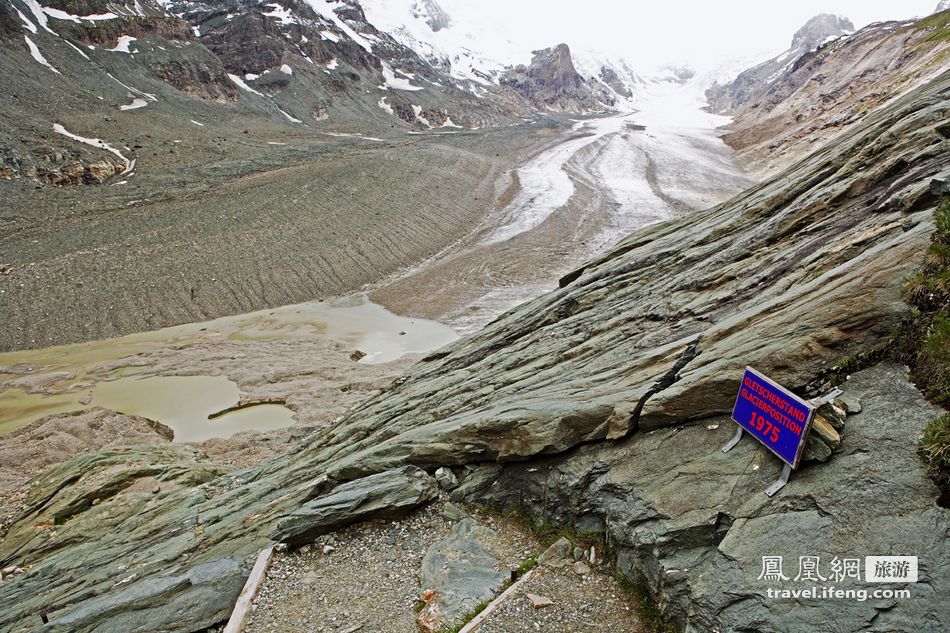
935, 449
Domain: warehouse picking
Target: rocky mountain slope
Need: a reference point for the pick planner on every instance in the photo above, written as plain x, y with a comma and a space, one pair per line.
551, 82
599, 404
819, 93
751, 84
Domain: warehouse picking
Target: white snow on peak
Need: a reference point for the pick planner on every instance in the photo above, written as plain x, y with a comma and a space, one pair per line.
390, 80
96, 142
123, 44
326, 9
286, 69
243, 86
467, 55
38, 56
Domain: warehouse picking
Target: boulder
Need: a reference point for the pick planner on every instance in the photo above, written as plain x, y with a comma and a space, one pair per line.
459, 573
385, 495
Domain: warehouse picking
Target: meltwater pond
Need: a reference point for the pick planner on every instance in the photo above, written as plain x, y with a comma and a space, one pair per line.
37, 383
189, 405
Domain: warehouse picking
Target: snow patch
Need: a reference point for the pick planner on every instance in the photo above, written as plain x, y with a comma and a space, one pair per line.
39, 15
29, 26
449, 123
286, 69
421, 119
281, 14
326, 9
243, 86
198, 123
333, 64
123, 45
390, 80
135, 91
289, 118
62, 15
78, 50
360, 136
135, 105
96, 142
38, 56
251, 76
386, 107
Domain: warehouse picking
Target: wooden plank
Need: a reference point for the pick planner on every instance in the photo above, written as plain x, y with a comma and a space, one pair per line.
478, 619
242, 608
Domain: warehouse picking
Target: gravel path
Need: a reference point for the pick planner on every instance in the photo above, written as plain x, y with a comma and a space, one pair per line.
589, 602
365, 578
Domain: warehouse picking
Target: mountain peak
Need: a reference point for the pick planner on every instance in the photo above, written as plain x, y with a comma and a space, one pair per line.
429, 11
819, 29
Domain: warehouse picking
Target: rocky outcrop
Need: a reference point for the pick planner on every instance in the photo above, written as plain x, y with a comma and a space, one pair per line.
610, 77
197, 79
620, 362
729, 98
690, 524
384, 495
434, 15
61, 167
826, 91
551, 82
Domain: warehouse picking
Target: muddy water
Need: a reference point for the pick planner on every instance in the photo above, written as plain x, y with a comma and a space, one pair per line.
36, 383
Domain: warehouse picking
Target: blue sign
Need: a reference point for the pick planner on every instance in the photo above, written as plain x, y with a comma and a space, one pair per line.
775, 416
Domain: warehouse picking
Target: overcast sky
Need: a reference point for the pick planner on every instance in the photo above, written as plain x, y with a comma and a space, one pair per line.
649, 34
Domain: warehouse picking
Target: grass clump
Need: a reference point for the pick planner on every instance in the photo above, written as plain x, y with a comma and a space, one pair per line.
647, 608
937, 25
471, 615
935, 449
926, 347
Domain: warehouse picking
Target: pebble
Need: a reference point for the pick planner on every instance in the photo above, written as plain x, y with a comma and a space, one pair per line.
539, 602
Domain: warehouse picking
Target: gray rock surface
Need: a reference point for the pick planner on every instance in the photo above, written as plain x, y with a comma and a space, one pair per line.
691, 524
608, 371
446, 478
551, 82
462, 572
384, 495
